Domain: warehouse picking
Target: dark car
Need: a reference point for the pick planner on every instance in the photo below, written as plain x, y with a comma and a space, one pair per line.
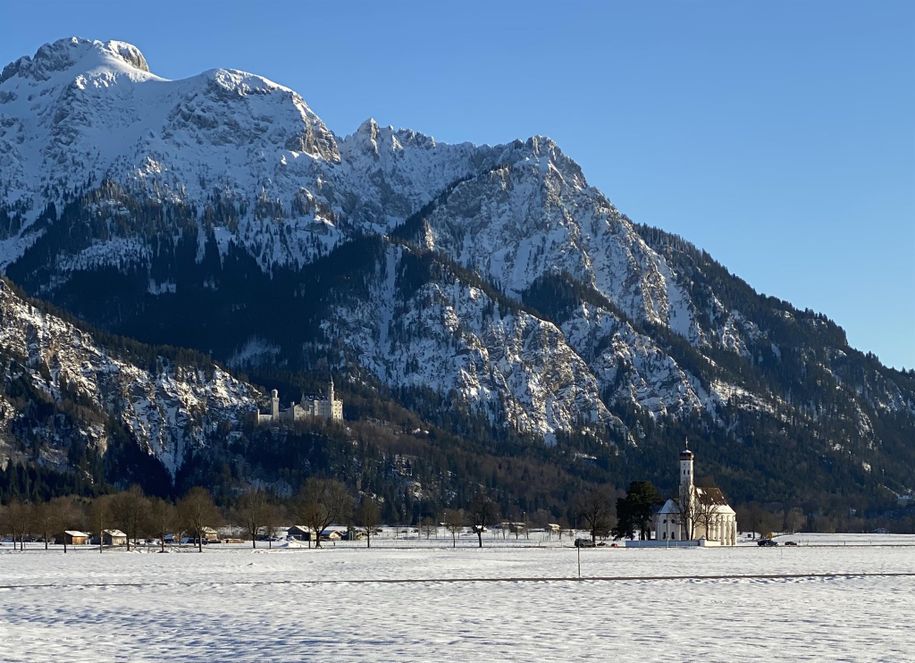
584, 543
766, 542
790, 543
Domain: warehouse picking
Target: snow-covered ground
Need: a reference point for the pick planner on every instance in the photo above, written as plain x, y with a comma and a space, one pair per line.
504, 602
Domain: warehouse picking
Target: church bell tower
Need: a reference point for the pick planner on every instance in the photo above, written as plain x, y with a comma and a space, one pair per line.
686, 468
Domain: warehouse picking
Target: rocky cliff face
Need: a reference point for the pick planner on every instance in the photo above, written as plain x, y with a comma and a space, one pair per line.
219, 212
62, 391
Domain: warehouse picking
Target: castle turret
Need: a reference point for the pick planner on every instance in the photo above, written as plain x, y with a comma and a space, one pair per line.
275, 404
330, 391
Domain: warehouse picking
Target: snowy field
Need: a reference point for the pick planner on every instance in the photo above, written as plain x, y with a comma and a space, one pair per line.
419, 600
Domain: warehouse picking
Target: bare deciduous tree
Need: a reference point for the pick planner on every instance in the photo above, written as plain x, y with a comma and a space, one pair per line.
321, 502
253, 511
16, 517
274, 516
368, 516
687, 510
454, 523
196, 511
45, 521
67, 514
706, 514
428, 526
483, 511
129, 511
99, 516
594, 508
163, 518
793, 520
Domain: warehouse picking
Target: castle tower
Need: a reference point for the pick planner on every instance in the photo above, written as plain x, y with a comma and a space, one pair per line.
330, 390
275, 404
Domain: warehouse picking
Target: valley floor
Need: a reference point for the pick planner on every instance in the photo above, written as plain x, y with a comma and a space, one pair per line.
840, 597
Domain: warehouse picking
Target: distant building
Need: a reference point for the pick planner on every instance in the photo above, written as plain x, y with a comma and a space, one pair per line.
299, 532
113, 537
210, 535
72, 537
705, 511
330, 408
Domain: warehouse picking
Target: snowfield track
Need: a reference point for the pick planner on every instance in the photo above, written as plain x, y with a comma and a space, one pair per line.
432, 581
498, 603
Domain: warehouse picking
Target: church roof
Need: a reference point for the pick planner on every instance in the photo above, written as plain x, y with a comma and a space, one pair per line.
716, 497
711, 496
669, 507
705, 496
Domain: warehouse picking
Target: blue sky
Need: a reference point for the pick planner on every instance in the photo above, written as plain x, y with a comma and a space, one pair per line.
778, 136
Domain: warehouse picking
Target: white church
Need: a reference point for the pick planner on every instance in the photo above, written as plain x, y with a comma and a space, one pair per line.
330, 408
696, 514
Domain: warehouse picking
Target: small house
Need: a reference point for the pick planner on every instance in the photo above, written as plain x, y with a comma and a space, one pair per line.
113, 537
209, 535
299, 533
72, 537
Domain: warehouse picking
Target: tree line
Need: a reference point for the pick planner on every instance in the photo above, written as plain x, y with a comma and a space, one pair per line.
320, 502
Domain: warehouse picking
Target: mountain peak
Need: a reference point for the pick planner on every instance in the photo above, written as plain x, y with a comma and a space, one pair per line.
73, 52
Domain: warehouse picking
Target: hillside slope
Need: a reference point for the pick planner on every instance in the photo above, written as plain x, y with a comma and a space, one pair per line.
219, 212
66, 397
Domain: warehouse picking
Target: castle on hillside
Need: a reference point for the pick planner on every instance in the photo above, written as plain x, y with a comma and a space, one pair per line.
314, 408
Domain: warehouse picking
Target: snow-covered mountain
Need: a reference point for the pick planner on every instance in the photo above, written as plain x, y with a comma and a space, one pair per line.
220, 212
251, 156
62, 392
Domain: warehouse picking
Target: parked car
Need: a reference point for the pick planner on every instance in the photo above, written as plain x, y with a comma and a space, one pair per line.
766, 542
790, 543
584, 543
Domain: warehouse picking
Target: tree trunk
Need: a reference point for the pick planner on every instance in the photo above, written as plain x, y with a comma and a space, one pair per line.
199, 541
453, 539
480, 537
368, 539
